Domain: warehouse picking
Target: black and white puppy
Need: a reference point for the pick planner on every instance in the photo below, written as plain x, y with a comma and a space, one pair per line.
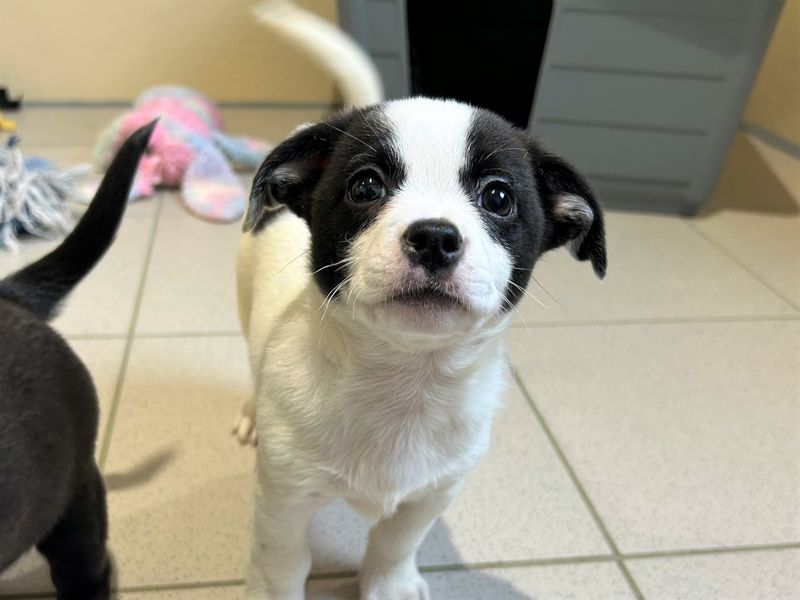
51, 492
384, 252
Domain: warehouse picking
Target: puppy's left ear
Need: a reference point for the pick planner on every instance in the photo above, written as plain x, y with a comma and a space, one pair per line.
572, 210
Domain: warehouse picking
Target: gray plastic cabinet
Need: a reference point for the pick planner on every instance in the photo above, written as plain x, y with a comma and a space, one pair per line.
644, 96
380, 27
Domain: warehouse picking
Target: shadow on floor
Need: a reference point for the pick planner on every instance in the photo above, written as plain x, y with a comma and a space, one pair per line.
145, 471
455, 583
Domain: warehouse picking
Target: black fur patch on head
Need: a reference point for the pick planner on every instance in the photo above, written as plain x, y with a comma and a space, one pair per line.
554, 205
497, 152
311, 173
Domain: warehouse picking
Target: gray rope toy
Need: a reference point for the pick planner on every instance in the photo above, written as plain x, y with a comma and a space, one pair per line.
32, 196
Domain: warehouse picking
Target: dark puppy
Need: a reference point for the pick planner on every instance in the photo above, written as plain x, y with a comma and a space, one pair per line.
51, 492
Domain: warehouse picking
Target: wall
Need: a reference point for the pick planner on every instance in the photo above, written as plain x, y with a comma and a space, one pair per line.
774, 104
99, 50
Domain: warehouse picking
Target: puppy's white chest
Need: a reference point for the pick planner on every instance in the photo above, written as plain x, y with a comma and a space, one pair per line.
405, 431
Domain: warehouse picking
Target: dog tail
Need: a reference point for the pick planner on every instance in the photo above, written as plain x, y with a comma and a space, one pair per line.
350, 67
40, 287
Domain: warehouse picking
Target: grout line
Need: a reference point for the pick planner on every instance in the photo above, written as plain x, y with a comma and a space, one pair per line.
581, 491
189, 585
159, 335
192, 334
688, 552
656, 321
95, 336
626, 575
459, 567
123, 370
741, 264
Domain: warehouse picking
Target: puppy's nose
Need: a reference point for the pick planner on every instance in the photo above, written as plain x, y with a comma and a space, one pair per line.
433, 243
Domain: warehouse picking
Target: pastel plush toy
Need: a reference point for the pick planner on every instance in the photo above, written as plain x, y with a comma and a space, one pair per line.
187, 150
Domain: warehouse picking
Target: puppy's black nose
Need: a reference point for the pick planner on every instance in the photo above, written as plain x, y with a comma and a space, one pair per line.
433, 243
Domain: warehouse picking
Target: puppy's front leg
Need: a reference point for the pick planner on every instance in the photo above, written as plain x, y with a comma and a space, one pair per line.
281, 556
390, 570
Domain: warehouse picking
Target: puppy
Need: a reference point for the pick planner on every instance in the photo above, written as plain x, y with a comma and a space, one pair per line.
385, 251
51, 492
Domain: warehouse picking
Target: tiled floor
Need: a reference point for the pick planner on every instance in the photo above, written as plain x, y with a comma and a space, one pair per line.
650, 446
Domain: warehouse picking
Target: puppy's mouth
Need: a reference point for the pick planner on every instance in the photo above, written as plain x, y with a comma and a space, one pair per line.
428, 297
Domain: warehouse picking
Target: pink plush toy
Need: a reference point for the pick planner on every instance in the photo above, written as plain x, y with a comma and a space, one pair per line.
187, 150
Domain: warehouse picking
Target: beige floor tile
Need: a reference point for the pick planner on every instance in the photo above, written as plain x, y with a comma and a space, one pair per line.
590, 581
191, 284
103, 359
60, 126
684, 435
29, 575
741, 576
767, 244
173, 207
212, 593
179, 484
517, 504
272, 125
658, 268
103, 302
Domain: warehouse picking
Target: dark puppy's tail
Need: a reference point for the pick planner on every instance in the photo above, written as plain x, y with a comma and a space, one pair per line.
40, 287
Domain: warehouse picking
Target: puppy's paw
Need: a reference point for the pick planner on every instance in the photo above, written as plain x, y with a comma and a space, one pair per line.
396, 584
244, 428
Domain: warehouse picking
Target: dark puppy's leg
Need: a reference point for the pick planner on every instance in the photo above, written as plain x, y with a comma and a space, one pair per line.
76, 548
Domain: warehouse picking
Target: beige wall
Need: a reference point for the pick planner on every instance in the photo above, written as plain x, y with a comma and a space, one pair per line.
775, 101
91, 50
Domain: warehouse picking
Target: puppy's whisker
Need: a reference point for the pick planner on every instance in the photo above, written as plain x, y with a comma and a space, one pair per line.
330, 295
356, 302
306, 251
347, 260
327, 303
351, 136
544, 289
509, 304
503, 149
519, 314
528, 293
377, 136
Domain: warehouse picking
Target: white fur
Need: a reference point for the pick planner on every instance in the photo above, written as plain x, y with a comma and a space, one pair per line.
431, 138
577, 209
353, 399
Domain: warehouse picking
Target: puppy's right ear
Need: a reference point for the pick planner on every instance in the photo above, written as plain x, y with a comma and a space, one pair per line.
290, 173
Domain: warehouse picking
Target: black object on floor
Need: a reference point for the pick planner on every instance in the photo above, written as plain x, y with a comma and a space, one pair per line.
7, 103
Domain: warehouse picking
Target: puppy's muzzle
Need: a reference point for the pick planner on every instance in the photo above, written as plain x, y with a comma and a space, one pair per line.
433, 243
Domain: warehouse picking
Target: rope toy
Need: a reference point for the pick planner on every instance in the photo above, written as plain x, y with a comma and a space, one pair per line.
32, 196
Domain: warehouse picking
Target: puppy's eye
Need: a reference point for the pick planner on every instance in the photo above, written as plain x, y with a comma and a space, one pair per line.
366, 187
496, 198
